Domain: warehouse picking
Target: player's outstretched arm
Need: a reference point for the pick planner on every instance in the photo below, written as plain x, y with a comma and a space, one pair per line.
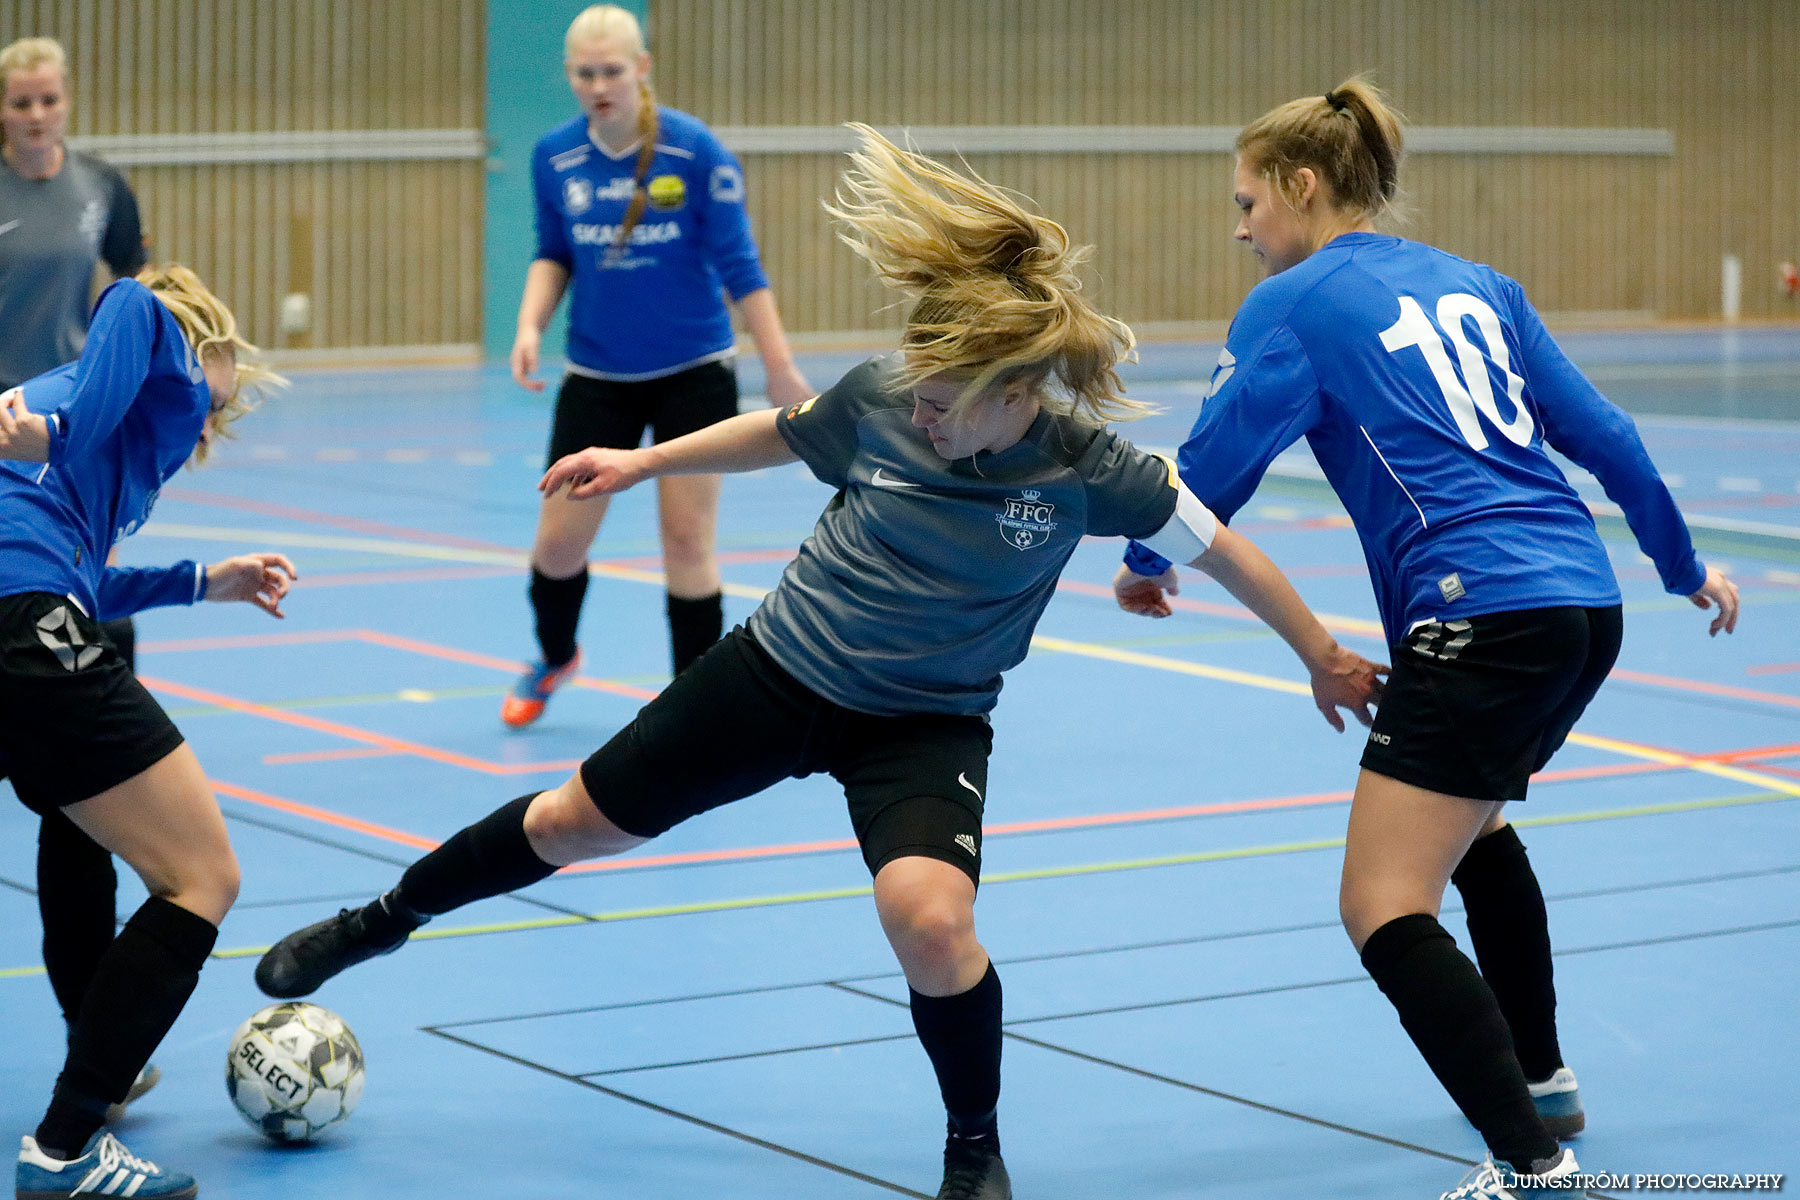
1340, 678
261, 579
747, 442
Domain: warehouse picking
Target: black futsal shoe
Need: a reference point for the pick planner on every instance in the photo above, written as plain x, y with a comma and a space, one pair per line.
973, 1171
303, 960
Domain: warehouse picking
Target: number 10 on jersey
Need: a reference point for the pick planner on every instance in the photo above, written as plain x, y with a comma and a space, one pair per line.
1473, 393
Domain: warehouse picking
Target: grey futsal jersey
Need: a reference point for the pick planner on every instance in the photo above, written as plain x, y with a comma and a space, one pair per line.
52, 234
924, 578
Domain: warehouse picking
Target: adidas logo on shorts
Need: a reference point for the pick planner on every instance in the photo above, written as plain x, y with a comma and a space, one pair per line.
967, 842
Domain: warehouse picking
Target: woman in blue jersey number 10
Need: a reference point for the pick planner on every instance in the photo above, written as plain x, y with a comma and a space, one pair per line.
965, 472
87, 448
641, 218
1430, 392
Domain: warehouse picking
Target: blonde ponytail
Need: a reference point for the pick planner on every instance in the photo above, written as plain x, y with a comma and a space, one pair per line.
994, 285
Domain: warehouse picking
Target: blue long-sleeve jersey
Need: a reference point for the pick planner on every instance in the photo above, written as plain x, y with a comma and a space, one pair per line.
123, 418
653, 306
1427, 388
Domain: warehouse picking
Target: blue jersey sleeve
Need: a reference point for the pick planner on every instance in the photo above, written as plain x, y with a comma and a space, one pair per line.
552, 238
1263, 397
1600, 436
725, 222
114, 363
128, 590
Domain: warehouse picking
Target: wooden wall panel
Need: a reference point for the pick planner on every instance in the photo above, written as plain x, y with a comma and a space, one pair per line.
1594, 233
388, 250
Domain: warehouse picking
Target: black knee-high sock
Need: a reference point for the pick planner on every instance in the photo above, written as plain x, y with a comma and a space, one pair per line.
138, 990
694, 625
489, 858
123, 632
77, 887
1511, 934
961, 1035
1451, 1015
557, 606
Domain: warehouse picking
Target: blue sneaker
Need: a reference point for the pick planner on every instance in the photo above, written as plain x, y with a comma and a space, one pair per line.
1492, 1182
1558, 1101
532, 691
105, 1168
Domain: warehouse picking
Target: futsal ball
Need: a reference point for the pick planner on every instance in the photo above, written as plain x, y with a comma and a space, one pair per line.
294, 1070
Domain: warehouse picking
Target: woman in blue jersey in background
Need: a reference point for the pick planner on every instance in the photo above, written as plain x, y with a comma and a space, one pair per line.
1430, 393
87, 448
640, 211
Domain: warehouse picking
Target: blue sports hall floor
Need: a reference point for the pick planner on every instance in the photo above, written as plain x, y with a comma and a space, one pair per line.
719, 1016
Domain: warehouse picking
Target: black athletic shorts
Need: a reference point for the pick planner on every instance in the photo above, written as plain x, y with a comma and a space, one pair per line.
735, 722
74, 720
1474, 706
604, 412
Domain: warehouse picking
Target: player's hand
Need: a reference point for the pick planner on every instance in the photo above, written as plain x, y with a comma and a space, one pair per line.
1720, 591
260, 579
1145, 595
788, 388
24, 435
1345, 679
592, 472
525, 360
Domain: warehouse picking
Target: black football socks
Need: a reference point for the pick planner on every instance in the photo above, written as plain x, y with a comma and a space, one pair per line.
489, 858
1452, 1017
556, 603
694, 625
138, 989
77, 886
961, 1035
1511, 935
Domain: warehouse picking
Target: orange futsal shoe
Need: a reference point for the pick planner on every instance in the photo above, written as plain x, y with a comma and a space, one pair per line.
525, 703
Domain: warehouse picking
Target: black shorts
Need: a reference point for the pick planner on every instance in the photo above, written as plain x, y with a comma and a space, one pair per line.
74, 720
735, 722
1474, 707
604, 412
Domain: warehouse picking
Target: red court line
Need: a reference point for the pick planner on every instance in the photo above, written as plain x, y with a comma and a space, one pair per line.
422, 575
312, 756
248, 641
1773, 669
288, 512
509, 665
334, 728
1753, 753
1709, 689
324, 816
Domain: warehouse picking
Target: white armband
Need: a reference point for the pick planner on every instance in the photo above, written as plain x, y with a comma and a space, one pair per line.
1189, 531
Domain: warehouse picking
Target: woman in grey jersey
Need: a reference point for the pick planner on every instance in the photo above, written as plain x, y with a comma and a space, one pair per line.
966, 470
62, 213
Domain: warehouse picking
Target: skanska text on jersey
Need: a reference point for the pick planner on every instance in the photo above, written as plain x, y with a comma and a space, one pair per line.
651, 234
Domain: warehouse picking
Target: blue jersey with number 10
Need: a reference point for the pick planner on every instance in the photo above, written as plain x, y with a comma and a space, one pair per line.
1427, 388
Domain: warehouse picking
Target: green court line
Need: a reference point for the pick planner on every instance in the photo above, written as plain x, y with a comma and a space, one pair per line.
1068, 872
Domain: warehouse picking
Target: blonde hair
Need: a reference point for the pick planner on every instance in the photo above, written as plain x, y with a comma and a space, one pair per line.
1350, 136
610, 21
211, 329
994, 284
28, 54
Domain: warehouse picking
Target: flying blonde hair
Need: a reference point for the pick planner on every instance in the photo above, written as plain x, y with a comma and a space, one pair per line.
211, 329
994, 285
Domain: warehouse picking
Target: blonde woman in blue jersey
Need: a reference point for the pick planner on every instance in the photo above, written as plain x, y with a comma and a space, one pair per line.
965, 470
1430, 393
640, 216
87, 448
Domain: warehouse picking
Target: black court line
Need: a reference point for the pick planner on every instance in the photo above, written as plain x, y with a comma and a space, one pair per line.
340, 898
17, 887
1122, 948
749, 1054
677, 1114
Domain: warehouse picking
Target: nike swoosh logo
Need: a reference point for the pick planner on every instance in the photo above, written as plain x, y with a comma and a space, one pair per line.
964, 780
12, 225
888, 481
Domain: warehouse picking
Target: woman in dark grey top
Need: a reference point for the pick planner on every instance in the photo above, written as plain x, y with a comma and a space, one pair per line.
62, 213
967, 469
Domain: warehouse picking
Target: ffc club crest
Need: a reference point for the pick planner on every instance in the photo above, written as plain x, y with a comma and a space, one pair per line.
1025, 521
